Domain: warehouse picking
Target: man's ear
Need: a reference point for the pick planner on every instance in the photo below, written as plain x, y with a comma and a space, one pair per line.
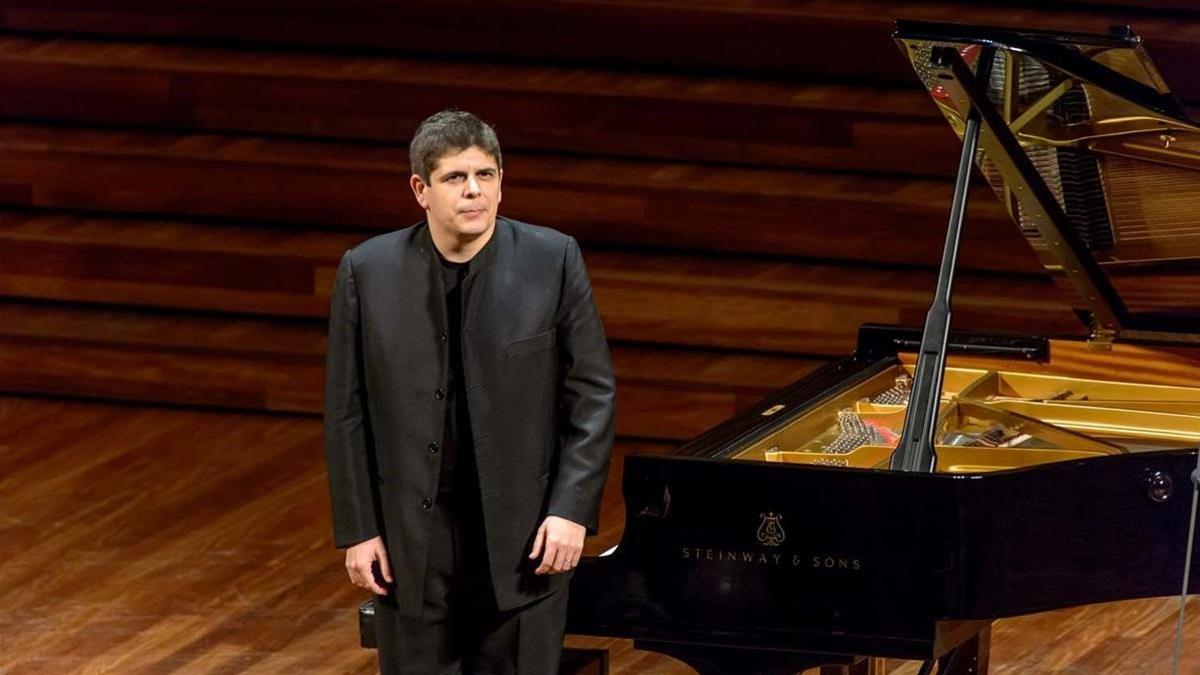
499, 186
418, 187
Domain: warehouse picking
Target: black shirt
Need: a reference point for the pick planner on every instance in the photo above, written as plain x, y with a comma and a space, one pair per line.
458, 476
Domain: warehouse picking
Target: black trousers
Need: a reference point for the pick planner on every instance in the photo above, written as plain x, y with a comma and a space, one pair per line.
461, 631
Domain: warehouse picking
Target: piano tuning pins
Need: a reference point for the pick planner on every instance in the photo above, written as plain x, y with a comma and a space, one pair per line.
851, 423
898, 394
831, 462
853, 433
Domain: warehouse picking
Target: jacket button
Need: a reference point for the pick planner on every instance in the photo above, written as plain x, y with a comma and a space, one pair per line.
433, 447
443, 337
426, 504
439, 394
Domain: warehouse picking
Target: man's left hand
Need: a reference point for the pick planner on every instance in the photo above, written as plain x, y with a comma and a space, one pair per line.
563, 542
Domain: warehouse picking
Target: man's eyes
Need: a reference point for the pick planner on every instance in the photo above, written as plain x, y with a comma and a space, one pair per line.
459, 177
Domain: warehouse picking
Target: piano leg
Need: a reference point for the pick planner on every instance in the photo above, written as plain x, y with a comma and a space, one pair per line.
969, 658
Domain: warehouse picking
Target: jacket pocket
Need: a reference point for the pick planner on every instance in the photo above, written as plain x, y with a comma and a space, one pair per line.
533, 343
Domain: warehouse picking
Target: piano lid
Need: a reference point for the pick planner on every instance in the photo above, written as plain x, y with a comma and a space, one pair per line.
1094, 158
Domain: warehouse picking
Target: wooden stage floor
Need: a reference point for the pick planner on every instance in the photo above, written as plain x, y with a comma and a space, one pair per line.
157, 540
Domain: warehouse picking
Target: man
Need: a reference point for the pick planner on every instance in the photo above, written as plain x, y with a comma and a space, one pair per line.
468, 419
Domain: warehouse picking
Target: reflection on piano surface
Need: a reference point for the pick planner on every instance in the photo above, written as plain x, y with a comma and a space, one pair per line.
789, 536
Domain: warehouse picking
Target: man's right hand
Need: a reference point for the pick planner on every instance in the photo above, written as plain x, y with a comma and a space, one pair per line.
360, 559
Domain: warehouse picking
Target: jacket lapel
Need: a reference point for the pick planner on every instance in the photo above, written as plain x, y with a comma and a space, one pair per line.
423, 264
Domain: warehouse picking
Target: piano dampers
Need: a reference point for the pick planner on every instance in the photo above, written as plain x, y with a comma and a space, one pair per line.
1074, 179
1072, 108
1045, 160
1083, 197
1034, 81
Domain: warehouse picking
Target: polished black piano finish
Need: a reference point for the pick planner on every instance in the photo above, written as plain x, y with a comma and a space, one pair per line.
873, 561
734, 564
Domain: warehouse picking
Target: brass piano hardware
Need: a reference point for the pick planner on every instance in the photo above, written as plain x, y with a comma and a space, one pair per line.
1040, 106
1012, 68
1089, 135
996, 436
983, 387
951, 458
1000, 384
862, 457
1101, 338
772, 410
965, 460
1176, 156
1103, 182
829, 461
1060, 437
1073, 418
1109, 422
1177, 407
1012, 165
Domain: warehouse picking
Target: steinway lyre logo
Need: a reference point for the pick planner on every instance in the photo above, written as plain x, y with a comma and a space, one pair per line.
770, 532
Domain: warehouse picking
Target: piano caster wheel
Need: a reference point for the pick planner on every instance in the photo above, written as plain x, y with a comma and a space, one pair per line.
1159, 487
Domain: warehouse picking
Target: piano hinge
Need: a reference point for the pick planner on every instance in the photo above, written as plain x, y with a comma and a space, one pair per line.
1101, 339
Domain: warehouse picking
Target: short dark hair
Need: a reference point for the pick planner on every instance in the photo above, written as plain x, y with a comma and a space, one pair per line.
447, 132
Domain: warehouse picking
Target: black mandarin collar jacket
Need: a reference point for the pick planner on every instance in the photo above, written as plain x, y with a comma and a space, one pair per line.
539, 385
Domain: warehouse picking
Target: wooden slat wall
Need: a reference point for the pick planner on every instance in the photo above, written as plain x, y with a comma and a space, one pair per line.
792, 39
751, 181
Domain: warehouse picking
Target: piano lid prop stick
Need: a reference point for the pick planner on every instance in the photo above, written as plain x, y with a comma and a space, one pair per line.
1187, 567
915, 450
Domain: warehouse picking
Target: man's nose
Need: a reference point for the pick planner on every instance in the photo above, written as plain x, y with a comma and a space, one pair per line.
472, 186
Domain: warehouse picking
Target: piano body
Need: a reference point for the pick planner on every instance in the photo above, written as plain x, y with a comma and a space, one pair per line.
782, 539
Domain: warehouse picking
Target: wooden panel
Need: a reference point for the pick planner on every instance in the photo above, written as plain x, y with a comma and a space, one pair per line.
844, 39
701, 301
170, 264
257, 364
158, 358
813, 309
729, 209
540, 108
1182, 7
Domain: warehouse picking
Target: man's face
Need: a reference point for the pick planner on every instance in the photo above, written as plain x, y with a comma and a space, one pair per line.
463, 193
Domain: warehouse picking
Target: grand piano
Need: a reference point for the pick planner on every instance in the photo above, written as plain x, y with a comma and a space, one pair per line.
820, 527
